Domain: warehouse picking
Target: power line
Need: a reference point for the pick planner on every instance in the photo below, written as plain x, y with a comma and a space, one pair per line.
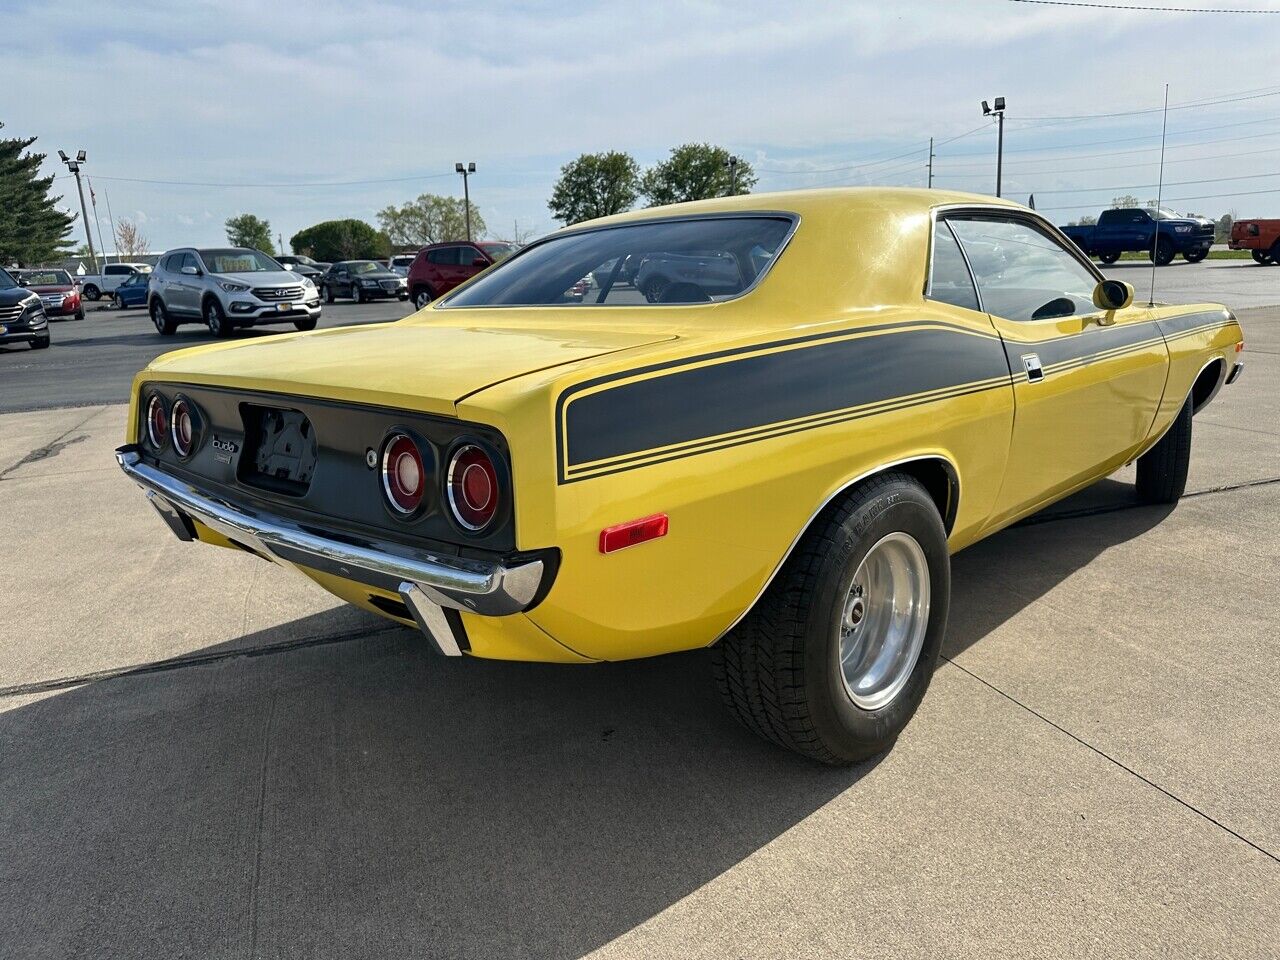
1139, 9
1187, 105
332, 183
1203, 196
1172, 183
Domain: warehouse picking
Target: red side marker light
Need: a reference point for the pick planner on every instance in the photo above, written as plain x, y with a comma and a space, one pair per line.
633, 532
1239, 346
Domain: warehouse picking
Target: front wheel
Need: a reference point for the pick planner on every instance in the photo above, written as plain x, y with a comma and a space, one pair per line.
1111, 256
91, 292
216, 320
1162, 470
835, 657
421, 298
357, 295
308, 324
40, 344
1195, 256
1260, 257
1163, 254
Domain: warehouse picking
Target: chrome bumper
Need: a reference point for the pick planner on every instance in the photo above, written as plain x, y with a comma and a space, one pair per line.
426, 583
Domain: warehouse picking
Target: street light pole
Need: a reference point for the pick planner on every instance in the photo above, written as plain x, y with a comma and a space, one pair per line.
731, 164
931, 162
998, 112
74, 167
466, 172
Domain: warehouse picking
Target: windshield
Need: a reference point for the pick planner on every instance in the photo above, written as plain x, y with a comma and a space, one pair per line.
658, 261
365, 266
6, 282
499, 251
1164, 213
238, 261
46, 278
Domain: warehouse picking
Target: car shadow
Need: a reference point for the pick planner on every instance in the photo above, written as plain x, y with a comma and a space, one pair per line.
356, 795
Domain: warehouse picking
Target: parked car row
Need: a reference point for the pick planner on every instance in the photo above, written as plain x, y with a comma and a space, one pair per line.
22, 315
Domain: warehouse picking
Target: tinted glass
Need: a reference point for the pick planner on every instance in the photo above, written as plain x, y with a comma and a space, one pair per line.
238, 261
949, 279
6, 281
46, 278
447, 256
499, 251
660, 262
365, 266
1023, 273
188, 260
467, 256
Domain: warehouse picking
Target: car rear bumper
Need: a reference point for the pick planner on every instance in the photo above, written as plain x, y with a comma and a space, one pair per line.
427, 584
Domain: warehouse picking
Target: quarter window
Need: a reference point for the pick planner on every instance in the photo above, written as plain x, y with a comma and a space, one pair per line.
447, 256
949, 277
1022, 272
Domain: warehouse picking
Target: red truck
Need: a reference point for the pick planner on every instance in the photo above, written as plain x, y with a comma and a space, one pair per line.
1259, 237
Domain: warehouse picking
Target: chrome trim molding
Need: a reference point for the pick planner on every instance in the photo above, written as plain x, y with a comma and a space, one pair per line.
477, 586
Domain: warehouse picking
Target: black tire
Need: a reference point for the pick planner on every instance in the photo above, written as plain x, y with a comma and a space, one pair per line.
1260, 257
1111, 256
1195, 256
327, 291
91, 292
215, 318
1163, 254
1273, 255
40, 344
422, 296
778, 670
164, 323
1162, 470
80, 314
654, 288
402, 297
308, 324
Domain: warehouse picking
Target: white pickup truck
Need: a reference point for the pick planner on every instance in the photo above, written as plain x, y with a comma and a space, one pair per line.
94, 285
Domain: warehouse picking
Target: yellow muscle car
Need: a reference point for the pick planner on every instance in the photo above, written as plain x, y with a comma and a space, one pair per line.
764, 427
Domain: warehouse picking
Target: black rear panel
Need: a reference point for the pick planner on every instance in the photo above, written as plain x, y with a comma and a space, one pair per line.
309, 460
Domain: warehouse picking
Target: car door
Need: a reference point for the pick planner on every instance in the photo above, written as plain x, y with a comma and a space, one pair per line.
471, 260
1087, 382
186, 285
448, 262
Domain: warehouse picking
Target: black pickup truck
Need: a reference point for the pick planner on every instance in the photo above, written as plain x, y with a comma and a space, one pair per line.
1160, 233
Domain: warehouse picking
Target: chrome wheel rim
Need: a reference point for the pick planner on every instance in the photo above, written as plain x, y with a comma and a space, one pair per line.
883, 621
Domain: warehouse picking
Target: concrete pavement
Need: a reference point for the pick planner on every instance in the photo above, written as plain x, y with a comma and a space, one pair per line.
257, 772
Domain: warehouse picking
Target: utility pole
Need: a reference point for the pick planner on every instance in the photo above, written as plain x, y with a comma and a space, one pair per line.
93, 201
115, 237
74, 167
931, 162
466, 172
731, 164
280, 243
998, 112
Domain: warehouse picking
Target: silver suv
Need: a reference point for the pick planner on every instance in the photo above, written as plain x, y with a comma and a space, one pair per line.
228, 287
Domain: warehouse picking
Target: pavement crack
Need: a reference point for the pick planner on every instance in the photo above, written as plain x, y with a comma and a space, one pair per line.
193, 660
1110, 759
264, 767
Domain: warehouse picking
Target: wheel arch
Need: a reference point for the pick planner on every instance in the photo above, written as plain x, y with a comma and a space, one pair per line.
1207, 383
936, 473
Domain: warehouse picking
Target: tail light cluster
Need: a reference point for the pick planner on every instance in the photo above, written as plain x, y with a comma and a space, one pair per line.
471, 488
176, 426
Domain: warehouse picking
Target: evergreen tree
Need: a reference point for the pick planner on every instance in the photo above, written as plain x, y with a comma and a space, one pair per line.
32, 229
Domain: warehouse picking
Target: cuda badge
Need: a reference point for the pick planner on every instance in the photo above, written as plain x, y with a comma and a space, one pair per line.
226, 446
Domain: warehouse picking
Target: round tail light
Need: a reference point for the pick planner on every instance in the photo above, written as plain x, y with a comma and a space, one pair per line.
157, 422
181, 427
472, 485
404, 478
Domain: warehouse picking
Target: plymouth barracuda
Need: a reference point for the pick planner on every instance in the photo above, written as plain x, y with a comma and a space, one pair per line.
779, 470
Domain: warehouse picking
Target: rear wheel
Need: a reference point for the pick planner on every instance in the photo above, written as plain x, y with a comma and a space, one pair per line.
1261, 257
834, 658
1195, 256
216, 320
1162, 470
1111, 256
91, 292
421, 297
1273, 255
165, 325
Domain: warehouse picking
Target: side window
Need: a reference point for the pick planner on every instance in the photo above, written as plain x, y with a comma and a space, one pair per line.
1022, 272
949, 279
467, 256
445, 256
189, 260
112, 271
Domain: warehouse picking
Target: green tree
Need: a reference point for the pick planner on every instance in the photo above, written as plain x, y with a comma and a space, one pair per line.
429, 219
341, 240
32, 229
595, 185
695, 171
247, 230
1126, 201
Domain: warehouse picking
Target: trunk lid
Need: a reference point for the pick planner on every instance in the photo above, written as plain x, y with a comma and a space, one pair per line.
414, 364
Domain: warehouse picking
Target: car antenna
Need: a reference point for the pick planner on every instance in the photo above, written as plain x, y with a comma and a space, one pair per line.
1155, 237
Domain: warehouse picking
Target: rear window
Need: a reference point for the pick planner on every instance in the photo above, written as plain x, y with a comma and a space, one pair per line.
46, 278
701, 260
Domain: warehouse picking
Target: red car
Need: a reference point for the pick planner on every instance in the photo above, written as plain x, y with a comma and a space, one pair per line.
440, 267
58, 292
1259, 237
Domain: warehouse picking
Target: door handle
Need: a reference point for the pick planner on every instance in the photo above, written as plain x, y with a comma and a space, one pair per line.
1035, 371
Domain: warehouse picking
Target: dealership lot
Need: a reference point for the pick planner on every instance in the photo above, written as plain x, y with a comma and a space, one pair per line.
207, 757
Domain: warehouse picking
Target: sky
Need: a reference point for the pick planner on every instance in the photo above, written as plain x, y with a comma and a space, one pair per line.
299, 112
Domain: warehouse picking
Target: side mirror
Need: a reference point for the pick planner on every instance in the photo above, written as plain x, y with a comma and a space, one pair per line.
1112, 295
191, 271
